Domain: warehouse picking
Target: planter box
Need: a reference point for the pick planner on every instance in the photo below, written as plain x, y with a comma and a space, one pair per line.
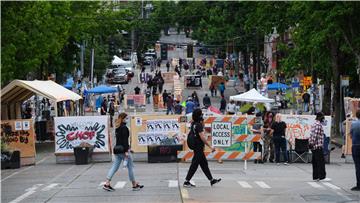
163, 153
10, 160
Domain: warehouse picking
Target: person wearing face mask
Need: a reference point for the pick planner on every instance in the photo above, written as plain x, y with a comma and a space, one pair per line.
316, 144
122, 152
199, 157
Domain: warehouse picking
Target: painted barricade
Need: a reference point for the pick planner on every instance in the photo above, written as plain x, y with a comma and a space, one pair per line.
241, 138
20, 135
72, 131
154, 130
299, 126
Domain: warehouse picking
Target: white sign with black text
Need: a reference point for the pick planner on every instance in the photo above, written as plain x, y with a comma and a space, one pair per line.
221, 134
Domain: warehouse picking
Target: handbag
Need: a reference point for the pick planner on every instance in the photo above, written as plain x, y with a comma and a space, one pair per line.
119, 149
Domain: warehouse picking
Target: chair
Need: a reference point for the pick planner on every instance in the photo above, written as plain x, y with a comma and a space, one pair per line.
301, 150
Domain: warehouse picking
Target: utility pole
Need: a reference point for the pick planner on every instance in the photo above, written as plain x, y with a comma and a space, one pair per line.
82, 50
92, 68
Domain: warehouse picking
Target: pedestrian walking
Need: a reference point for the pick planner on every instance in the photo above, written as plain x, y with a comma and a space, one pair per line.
316, 144
168, 66
111, 111
169, 105
222, 105
195, 99
206, 101
178, 108
355, 136
222, 88
268, 140
103, 107
306, 101
148, 94
213, 90
257, 129
165, 97
137, 90
122, 152
278, 133
190, 105
231, 108
199, 157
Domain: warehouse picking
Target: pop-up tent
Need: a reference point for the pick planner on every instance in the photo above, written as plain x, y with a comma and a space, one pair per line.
18, 91
251, 96
102, 89
277, 86
119, 61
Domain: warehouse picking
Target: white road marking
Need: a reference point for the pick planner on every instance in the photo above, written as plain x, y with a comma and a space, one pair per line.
332, 186
173, 183
262, 184
185, 193
315, 185
28, 192
244, 184
120, 184
22, 197
49, 187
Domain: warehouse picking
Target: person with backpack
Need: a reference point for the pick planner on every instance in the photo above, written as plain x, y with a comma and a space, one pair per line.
196, 141
122, 152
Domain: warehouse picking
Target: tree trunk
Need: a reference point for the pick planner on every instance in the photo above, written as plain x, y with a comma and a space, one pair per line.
326, 103
334, 49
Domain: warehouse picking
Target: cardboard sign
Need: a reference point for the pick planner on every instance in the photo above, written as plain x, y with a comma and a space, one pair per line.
169, 77
72, 131
221, 134
22, 140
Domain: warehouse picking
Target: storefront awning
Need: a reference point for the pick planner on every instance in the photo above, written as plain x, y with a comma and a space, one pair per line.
21, 90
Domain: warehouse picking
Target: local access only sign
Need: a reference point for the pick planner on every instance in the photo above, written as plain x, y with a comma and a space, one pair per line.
221, 134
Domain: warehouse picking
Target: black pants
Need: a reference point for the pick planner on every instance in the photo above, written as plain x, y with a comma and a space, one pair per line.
318, 164
356, 157
257, 148
199, 159
280, 144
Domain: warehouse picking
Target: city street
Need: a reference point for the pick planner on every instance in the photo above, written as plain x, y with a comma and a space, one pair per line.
51, 182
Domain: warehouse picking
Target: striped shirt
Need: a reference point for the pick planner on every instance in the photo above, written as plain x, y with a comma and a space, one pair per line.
316, 140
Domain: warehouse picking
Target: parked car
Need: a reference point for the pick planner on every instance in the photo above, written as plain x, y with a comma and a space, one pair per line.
147, 60
117, 76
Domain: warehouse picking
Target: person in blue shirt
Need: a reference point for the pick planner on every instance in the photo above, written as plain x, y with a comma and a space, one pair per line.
190, 105
355, 136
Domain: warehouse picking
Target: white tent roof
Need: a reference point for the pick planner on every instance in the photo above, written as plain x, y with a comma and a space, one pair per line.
21, 90
119, 61
251, 96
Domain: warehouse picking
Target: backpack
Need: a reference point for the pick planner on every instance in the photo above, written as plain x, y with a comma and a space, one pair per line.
191, 138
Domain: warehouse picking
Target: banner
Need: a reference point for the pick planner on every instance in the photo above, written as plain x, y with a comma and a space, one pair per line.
19, 135
221, 134
135, 100
193, 81
299, 126
168, 77
163, 125
72, 131
155, 138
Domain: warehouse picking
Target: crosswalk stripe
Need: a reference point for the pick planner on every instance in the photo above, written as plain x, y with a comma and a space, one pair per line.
120, 184
102, 183
244, 184
315, 185
332, 186
173, 183
262, 184
49, 187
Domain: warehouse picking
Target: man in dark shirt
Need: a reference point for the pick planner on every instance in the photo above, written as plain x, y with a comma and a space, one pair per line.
199, 156
137, 90
169, 105
104, 107
165, 97
178, 108
306, 100
206, 101
278, 132
222, 105
355, 136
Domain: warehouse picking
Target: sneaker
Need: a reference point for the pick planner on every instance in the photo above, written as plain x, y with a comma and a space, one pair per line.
214, 181
137, 187
286, 163
188, 184
255, 161
278, 163
343, 156
325, 180
108, 188
355, 188
271, 161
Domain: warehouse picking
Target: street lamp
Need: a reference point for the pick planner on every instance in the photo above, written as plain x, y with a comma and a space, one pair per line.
148, 8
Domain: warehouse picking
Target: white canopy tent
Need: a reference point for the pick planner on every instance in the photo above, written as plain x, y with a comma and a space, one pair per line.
119, 61
251, 96
18, 91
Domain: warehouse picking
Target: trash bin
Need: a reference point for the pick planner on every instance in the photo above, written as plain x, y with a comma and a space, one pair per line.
82, 155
